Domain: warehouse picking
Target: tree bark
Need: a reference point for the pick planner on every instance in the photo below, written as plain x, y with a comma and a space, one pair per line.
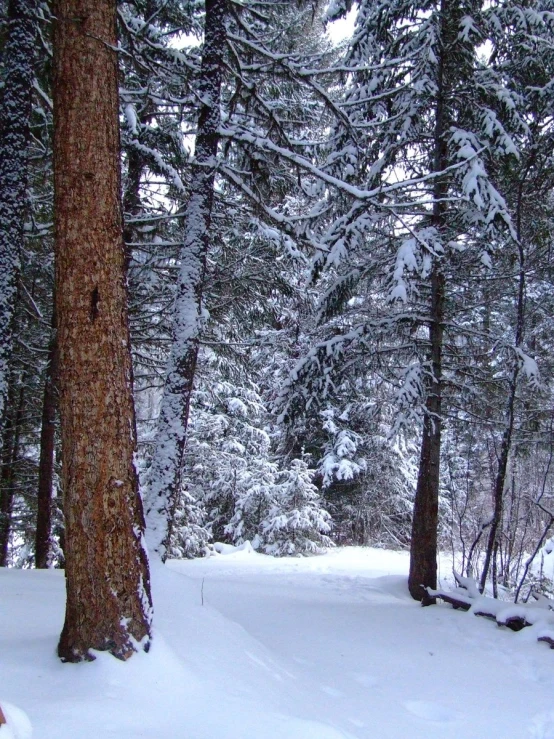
423, 546
47, 454
108, 591
166, 472
10, 454
15, 111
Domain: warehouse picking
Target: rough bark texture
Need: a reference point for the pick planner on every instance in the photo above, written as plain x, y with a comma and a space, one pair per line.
166, 473
15, 110
47, 455
108, 592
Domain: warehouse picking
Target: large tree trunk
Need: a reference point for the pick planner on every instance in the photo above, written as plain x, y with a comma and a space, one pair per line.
47, 454
108, 591
165, 477
15, 111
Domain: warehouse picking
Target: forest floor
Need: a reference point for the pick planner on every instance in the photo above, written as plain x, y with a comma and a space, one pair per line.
251, 647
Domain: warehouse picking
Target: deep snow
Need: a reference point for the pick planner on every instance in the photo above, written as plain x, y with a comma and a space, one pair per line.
324, 647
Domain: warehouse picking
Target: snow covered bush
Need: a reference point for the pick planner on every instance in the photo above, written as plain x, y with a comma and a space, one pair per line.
254, 491
190, 537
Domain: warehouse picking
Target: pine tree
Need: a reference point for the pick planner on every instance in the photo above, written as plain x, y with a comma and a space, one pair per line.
414, 203
296, 523
45, 486
15, 113
167, 467
523, 63
251, 102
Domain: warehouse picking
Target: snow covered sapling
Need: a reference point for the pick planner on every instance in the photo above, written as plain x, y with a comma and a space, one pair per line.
227, 469
296, 522
255, 489
189, 536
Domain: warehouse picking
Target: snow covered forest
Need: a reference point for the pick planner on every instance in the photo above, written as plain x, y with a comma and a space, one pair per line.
262, 290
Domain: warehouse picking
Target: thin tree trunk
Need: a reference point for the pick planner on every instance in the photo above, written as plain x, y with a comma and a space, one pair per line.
131, 202
499, 483
47, 455
108, 592
550, 523
166, 472
511, 532
15, 111
423, 547
506, 445
10, 454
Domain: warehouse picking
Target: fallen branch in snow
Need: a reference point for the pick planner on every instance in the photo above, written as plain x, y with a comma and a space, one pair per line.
467, 597
455, 601
2, 717
547, 639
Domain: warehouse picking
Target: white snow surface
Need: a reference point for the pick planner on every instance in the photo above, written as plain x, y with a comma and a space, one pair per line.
17, 724
326, 647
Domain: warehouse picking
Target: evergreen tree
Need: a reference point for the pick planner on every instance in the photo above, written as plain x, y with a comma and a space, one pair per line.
416, 206
296, 523
165, 481
15, 113
241, 34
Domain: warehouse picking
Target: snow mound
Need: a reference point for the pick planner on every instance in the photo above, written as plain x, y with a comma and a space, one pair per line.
222, 548
18, 725
542, 726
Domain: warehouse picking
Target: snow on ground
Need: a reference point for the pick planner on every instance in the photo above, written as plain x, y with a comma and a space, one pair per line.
247, 646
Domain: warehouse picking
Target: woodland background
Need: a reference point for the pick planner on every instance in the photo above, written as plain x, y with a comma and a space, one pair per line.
378, 271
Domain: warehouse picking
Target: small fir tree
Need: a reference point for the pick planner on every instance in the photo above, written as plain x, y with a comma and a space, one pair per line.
296, 522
